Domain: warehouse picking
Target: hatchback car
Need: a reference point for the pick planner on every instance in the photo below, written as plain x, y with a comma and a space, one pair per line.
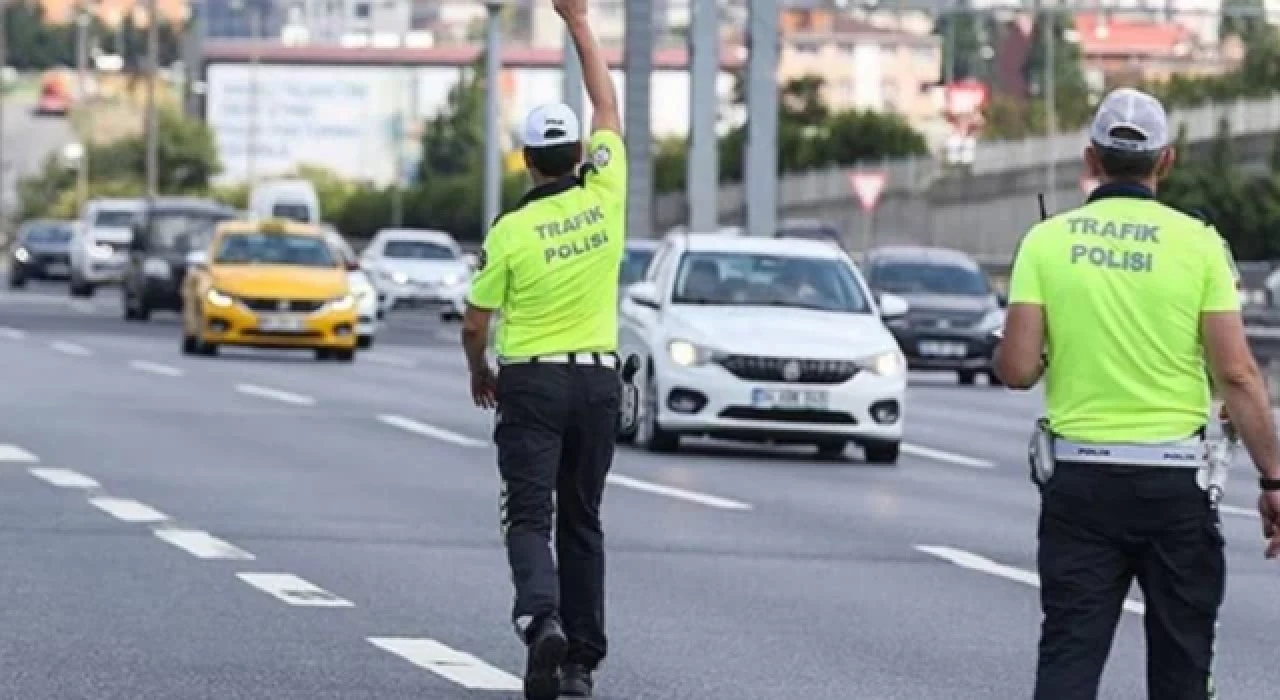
167, 230
42, 251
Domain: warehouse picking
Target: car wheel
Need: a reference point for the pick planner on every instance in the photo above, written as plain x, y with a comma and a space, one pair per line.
882, 452
993, 380
364, 342
207, 349
348, 355
832, 449
966, 377
81, 289
17, 281
190, 346
135, 311
649, 432
323, 354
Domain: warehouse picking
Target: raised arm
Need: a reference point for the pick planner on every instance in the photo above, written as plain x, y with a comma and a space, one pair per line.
595, 69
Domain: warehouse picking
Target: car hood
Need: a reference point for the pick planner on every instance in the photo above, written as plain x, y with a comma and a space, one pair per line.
280, 281
960, 309
111, 234
781, 332
424, 270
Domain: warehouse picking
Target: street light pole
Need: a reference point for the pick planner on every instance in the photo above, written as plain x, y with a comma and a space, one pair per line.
254, 8
4, 62
1050, 85
492, 155
86, 111
153, 64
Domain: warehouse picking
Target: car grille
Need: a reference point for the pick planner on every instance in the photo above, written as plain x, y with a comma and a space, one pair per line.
295, 305
925, 320
786, 415
773, 369
54, 258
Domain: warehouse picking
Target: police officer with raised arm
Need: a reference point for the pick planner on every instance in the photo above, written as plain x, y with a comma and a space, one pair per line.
1118, 304
550, 267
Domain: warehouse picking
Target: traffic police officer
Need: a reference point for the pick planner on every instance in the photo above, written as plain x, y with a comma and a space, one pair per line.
550, 267
1126, 298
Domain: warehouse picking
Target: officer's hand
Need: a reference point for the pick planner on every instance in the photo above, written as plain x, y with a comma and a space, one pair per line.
484, 388
571, 9
1269, 511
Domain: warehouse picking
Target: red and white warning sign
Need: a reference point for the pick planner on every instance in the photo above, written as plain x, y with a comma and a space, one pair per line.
868, 186
1088, 184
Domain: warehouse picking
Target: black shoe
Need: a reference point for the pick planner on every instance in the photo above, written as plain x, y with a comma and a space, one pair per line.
546, 652
575, 681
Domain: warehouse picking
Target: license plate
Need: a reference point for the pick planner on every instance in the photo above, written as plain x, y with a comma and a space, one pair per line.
943, 349
281, 323
56, 269
788, 398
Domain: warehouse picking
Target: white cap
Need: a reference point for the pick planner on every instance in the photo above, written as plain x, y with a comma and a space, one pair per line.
551, 125
1130, 120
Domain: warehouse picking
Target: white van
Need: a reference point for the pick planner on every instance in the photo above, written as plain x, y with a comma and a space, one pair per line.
293, 199
100, 243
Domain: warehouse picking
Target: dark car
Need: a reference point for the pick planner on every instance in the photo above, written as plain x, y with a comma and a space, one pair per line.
809, 229
953, 308
167, 231
42, 251
636, 259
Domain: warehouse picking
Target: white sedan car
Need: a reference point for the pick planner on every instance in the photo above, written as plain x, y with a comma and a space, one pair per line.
763, 340
419, 268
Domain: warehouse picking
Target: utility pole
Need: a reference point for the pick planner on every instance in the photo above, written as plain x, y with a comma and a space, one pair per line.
4, 152
638, 117
1050, 84
153, 66
492, 154
762, 119
254, 8
85, 109
571, 77
703, 187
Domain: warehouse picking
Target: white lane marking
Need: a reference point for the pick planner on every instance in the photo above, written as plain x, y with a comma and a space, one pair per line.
202, 545
64, 478
12, 333
391, 360
943, 456
673, 492
459, 667
1237, 510
294, 590
974, 562
128, 510
155, 368
13, 453
84, 307
430, 431
265, 392
70, 348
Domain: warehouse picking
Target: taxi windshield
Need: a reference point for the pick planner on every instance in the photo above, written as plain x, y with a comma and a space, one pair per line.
929, 278
418, 250
756, 279
273, 249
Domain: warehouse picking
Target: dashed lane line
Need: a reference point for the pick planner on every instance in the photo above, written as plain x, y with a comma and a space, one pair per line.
84, 307
679, 494
64, 478
391, 360
12, 333
13, 453
461, 668
266, 392
1237, 511
294, 590
70, 348
155, 368
128, 510
202, 545
431, 431
944, 456
974, 562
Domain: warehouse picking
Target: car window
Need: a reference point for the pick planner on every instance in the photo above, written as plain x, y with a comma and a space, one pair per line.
46, 233
757, 279
659, 261
183, 231
273, 249
293, 211
929, 278
634, 264
418, 250
114, 218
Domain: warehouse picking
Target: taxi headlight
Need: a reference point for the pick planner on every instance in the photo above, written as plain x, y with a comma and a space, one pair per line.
218, 299
993, 320
885, 364
342, 303
155, 267
101, 251
21, 255
687, 354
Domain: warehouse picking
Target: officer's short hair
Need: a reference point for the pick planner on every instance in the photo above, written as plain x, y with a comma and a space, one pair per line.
1119, 163
552, 140
1129, 134
554, 161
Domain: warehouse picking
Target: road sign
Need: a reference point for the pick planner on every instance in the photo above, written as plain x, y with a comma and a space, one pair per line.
1088, 184
868, 186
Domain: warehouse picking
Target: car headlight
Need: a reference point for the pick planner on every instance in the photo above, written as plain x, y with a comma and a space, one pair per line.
342, 303
218, 299
362, 292
102, 252
885, 364
451, 279
155, 267
687, 354
993, 320
398, 277
21, 255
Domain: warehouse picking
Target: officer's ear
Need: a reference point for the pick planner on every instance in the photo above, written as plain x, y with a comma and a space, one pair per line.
1165, 165
1092, 165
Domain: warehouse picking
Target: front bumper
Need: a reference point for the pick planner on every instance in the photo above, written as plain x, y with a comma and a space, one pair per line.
368, 313
239, 326
41, 266
946, 349
164, 294
417, 296
103, 271
708, 400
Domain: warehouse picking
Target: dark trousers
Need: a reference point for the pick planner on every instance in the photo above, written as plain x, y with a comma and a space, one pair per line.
1101, 527
555, 435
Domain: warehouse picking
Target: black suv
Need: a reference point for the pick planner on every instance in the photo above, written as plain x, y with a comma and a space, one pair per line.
953, 309
42, 251
167, 231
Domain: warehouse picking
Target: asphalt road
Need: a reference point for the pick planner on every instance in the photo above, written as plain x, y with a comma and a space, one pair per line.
26, 142
265, 526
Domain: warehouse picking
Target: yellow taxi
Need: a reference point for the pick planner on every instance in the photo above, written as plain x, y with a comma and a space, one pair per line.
269, 284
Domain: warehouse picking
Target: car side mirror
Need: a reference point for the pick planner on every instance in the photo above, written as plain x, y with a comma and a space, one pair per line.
1002, 299
197, 259
138, 241
644, 294
353, 265
893, 307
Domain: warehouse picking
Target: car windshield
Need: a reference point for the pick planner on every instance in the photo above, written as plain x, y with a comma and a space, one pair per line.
634, 265
47, 233
183, 231
929, 278
292, 211
418, 250
756, 279
274, 249
114, 218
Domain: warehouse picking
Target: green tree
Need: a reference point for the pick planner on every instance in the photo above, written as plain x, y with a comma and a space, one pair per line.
1246, 19
967, 50
453, 140
1071, 92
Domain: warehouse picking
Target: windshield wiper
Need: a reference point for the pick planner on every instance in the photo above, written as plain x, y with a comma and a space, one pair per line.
701, 301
